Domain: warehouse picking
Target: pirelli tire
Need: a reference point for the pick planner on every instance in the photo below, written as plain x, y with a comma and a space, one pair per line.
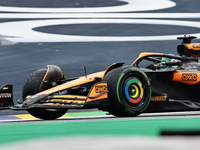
129, 91
32, 86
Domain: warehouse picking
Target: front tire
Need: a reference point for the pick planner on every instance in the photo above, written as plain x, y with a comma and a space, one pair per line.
33, 86
129, 91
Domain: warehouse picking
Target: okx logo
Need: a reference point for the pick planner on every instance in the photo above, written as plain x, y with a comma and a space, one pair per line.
189, 77
100, 89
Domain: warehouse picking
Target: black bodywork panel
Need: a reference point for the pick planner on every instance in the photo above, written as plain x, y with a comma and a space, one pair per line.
178, 96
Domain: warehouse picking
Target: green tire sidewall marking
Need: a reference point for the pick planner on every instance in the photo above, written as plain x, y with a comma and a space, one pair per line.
134, 69
118, 83
118, 88
40, 85
129, 111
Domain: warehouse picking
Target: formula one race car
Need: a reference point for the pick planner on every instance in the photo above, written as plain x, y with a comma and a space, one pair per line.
168, 83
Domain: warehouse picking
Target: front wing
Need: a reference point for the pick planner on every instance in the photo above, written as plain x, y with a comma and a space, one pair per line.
97, 93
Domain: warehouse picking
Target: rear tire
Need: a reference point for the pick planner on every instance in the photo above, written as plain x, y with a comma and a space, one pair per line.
33, 86
129, 91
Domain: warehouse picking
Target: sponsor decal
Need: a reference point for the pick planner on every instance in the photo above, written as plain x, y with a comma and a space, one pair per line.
158, 98
189, 77
192, 68
100, 89
64, 92
196, 45
5, 95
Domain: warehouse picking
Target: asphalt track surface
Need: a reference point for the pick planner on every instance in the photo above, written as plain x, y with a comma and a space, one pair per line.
95, 34
24, 26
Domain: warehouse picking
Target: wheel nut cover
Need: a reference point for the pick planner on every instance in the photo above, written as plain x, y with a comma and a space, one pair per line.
134, 91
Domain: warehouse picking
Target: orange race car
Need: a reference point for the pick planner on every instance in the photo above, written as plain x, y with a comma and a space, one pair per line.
167, 83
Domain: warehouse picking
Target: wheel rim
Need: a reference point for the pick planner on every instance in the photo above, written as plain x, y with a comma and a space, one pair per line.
134, 91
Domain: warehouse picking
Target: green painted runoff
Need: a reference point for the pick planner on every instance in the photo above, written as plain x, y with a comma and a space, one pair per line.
123, 127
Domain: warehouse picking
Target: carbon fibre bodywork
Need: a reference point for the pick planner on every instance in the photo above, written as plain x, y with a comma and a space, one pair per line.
163, 85
173, 88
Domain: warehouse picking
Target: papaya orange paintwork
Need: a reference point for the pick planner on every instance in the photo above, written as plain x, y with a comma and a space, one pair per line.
145, 54
189, 78
95, 94
79, 81
74, 83
73, 97
82, 80
194, 46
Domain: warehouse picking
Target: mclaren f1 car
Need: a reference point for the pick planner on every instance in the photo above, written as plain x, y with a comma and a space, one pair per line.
167, 83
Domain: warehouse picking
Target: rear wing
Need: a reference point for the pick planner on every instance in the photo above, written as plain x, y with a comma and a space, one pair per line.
6, 96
